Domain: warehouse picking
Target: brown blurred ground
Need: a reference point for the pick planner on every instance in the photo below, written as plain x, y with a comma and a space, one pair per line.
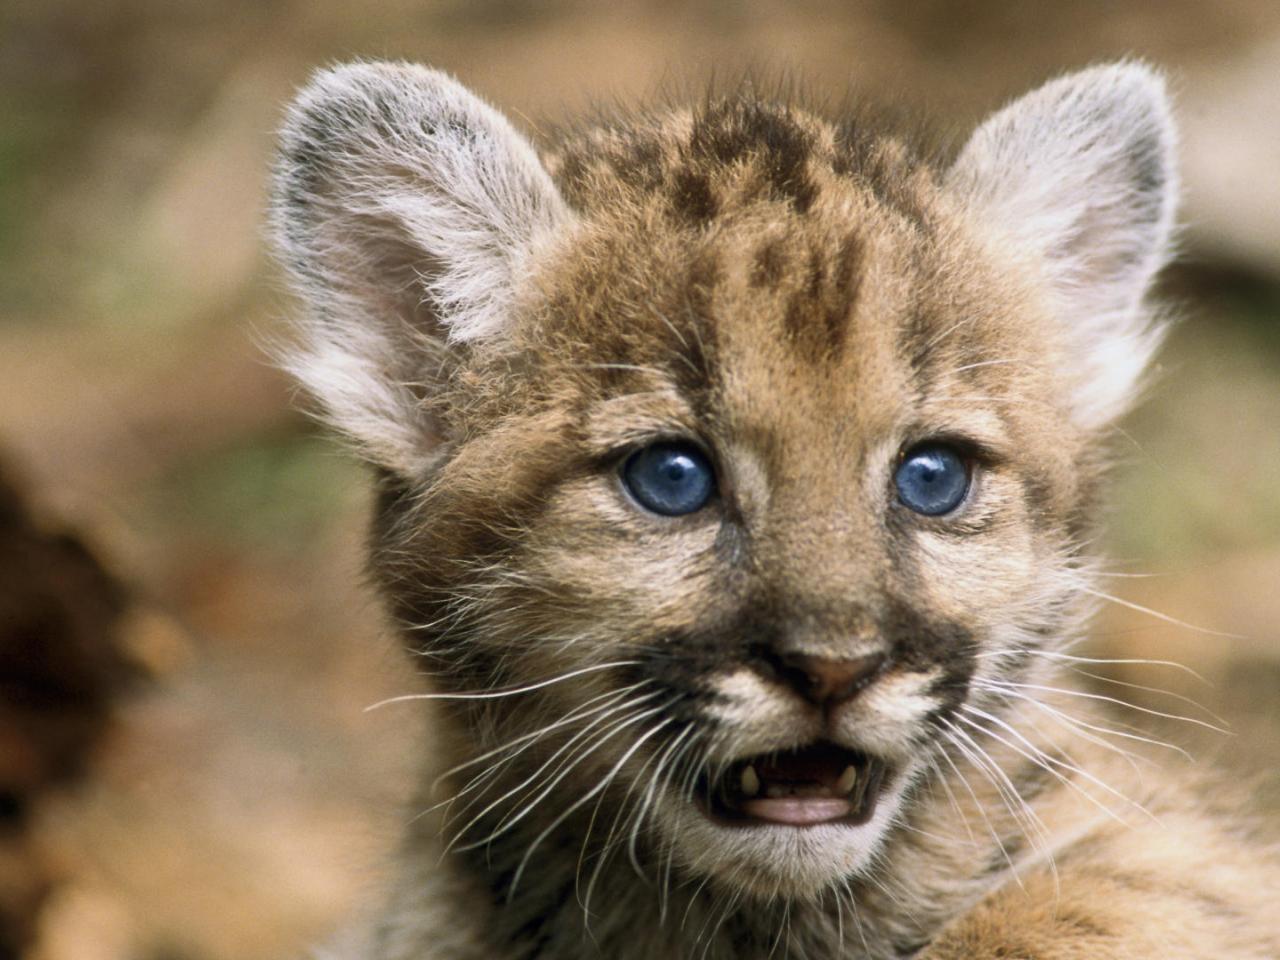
243, 800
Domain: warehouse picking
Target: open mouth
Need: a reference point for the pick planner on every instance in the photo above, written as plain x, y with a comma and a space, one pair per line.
819, 784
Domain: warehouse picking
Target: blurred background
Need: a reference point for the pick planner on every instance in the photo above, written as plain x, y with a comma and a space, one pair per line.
186, 645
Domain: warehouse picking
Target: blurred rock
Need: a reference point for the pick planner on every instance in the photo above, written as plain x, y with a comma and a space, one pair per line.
25, 884
60, 661
60, 669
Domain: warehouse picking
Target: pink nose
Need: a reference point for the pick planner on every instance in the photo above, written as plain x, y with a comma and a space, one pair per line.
824, 682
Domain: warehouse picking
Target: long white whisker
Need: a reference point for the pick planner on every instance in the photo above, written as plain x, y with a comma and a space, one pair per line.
1074, 658
940, 778
1164, 617
670, 760
857, 919
586, 798
978, 805
577, 714
556, 776
1031, 824
1081, 728
1047, 762
1146, 689
496, 694
985, 363
1113, 700
606, 847
514, 748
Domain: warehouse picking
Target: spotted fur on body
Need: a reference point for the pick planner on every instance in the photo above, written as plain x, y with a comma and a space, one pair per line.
805, 302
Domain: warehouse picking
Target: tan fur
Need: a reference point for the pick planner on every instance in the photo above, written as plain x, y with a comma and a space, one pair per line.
806, 301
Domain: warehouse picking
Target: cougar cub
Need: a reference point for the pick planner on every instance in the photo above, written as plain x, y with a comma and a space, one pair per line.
738, 471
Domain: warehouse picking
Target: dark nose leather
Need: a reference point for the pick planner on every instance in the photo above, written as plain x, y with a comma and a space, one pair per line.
825, 682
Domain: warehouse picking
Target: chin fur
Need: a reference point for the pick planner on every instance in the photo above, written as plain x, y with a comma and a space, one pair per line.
774, 862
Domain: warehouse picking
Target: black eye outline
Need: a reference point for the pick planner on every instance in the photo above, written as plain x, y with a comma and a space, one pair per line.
952, 453
645, 493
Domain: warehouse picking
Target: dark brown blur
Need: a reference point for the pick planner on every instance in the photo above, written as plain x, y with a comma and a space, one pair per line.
242, 799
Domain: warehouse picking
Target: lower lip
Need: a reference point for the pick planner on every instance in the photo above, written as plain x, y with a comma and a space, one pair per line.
798, 811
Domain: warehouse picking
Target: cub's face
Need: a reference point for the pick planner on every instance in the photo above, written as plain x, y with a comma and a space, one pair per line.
730, 457
799, 510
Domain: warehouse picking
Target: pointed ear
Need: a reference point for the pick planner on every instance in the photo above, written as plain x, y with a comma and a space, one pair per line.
406, 211
1080, 176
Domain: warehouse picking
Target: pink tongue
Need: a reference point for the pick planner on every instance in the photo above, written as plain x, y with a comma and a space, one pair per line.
797, 811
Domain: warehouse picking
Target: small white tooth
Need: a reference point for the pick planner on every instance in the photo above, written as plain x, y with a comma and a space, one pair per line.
847, 780
750, 781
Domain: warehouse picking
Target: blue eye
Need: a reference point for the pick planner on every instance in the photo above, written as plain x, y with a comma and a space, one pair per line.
932, 479
669, 478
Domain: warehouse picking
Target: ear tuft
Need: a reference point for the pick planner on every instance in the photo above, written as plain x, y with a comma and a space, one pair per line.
407, 212
1080, 175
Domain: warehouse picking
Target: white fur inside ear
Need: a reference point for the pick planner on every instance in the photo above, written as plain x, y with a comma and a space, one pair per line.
407, 212
1079, 176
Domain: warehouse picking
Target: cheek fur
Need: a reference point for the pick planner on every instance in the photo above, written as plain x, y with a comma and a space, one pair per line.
974, 580
599, 569
974, 567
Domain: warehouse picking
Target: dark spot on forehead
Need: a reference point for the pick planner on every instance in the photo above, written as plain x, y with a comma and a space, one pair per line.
848, 264
768, 264
817, 316
691, 197
816, 273
801, 321
728, 129
764, 134
796, 324
846, 281
639, 163
932, 327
